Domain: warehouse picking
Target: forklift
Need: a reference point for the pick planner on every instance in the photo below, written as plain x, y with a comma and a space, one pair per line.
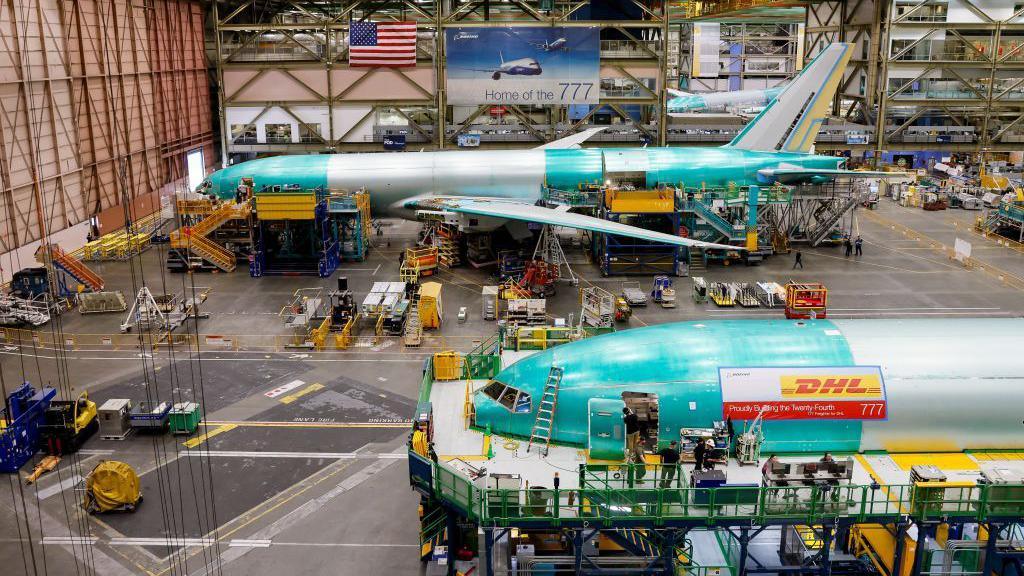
67, 424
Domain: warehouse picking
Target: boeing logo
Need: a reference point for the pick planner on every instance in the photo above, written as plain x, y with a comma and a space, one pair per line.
466, 36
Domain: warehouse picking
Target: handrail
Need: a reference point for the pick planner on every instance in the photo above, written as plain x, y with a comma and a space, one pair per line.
611, 506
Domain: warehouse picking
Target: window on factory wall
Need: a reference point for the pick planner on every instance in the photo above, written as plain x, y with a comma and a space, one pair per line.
243, 134
279, 133
309, 133
196, 168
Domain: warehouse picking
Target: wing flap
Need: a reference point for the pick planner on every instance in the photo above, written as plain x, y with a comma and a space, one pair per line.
817, 175
526, 213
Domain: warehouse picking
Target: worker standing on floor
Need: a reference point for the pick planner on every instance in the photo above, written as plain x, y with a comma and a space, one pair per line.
798, 260
859, 244
848, 245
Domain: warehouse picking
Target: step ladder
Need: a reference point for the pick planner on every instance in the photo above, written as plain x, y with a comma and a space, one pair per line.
545, 422
72, 267
413, 333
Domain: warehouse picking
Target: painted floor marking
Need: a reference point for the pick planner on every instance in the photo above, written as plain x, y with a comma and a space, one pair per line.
59, 487
282, 389
307, 390
210, 434
307, 455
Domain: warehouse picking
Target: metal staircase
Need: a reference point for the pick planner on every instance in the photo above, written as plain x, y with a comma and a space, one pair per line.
545, 420
72, 267
827, 218
211, 251
195, 238
433, 532
636, 542
696, 264
721, 225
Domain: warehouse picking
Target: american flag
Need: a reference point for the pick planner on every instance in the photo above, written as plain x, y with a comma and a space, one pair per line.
382, 44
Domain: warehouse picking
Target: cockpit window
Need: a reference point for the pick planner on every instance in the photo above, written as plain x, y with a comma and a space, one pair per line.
494, 389
523, 403
508, 398
511, 398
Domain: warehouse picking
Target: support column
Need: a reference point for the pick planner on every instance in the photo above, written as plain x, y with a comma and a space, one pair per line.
741, 564
454, 540
990, 548
752, 195
489, 551
901, 538
924, 530
826, 551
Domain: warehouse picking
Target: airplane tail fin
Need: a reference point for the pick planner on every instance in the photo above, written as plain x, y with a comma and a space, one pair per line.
791, 122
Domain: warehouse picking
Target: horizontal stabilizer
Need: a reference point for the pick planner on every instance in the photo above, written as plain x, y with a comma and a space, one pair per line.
678, 93
511, 210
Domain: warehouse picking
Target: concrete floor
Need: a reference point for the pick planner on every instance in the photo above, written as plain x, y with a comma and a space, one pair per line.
317, 485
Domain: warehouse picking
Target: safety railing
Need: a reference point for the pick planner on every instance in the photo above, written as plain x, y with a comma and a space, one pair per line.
624, 505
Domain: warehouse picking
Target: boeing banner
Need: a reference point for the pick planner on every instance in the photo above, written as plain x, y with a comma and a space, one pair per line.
523, 65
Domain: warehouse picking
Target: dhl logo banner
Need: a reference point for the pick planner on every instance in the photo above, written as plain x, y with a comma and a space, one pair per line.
827, 386
804, 392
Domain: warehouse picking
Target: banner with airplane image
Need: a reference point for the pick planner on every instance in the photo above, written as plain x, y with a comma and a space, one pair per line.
521, 65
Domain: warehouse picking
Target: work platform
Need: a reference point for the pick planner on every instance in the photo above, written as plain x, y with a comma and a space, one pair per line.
879, 513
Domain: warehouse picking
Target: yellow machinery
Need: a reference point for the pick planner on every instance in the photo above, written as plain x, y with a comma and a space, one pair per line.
286, 206
418, 262
112, 485
447, 365
67, 425
430, 305
540, 337
640, 201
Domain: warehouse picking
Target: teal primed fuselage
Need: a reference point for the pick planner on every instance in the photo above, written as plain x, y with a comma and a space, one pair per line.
679, 363
394, 178
938, 397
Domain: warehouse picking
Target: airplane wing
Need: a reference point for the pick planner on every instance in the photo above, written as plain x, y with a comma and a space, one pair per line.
512, 210
571, 141
816, 175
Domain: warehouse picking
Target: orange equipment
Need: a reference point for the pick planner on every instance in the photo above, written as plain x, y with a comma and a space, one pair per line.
806, 301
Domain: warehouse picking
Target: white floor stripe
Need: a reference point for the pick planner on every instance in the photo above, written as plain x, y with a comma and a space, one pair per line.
63, 485
66, 540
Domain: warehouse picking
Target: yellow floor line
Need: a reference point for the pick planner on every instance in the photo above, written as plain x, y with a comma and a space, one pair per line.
995, 456
204, 437
307, 390
945, 461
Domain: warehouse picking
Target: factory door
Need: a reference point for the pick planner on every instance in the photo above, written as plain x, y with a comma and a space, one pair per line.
606, 436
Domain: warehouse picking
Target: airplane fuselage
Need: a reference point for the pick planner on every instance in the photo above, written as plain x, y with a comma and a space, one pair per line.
936, 399
514, 174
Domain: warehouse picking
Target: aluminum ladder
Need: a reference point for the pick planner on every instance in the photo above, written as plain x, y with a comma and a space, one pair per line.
545, 420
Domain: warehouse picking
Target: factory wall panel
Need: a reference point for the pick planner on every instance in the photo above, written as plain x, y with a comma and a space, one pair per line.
99, 103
